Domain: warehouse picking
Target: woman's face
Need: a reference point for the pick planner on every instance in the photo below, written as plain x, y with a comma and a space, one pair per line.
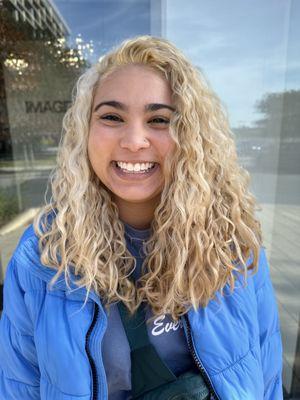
129, 135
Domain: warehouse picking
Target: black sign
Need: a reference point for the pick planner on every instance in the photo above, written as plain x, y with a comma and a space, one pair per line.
56, 106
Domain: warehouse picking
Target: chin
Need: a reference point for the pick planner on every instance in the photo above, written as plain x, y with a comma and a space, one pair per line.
136, 197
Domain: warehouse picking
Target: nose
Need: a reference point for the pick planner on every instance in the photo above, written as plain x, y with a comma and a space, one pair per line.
134, 138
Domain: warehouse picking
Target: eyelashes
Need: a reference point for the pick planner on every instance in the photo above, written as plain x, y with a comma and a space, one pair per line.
159, 120
115, 118
111, 117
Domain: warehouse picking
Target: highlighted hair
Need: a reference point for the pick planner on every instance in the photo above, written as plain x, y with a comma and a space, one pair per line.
204, 229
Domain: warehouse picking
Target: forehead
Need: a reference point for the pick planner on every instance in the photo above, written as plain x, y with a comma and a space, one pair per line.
134, 81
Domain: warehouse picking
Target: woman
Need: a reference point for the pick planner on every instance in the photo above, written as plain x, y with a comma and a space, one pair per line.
152, 220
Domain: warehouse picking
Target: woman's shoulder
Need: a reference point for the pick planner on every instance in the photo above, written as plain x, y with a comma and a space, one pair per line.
28, 250
262, 274
25, 264
28, 246
23, 289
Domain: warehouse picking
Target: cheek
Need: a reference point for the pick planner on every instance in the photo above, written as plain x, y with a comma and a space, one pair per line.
167, 146
92, 148
100, 144
95, 138
96, 151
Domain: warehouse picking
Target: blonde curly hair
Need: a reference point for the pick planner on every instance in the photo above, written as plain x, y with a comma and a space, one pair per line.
203, 231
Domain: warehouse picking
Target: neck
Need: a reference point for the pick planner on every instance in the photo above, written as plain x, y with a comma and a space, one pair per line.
139, 216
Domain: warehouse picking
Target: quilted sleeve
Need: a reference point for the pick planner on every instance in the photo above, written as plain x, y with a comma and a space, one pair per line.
19, 372
270, 337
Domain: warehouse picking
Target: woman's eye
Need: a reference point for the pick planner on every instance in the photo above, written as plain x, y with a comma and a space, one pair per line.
159, 121
111, 117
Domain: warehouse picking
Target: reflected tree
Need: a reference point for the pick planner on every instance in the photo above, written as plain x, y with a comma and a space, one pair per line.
280, 109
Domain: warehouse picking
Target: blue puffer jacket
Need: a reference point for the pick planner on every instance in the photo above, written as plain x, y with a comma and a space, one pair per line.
50, 345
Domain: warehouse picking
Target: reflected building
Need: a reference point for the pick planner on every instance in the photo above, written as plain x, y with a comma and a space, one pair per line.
43, 19
26, 27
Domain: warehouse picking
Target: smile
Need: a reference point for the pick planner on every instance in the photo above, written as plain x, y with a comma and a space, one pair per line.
135, 167
134, 170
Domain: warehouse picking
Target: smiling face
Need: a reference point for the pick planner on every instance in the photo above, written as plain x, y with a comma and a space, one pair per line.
129, 138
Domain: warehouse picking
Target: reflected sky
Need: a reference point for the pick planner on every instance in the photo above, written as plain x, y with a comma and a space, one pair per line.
246, 49
105, 22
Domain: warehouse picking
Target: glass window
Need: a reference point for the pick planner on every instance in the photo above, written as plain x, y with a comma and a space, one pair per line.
248, 50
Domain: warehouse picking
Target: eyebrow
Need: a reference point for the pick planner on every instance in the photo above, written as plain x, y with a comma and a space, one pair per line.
123, 107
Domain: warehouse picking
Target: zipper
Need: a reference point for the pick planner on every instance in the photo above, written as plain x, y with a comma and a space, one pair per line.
92, 362
197, 360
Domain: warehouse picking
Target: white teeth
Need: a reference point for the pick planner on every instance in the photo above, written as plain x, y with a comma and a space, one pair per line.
129, 166
138, 167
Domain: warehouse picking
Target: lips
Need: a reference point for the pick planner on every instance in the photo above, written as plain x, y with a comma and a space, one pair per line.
134, 175
125, 167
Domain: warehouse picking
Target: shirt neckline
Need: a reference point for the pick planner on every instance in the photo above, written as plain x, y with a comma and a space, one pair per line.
135, 233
